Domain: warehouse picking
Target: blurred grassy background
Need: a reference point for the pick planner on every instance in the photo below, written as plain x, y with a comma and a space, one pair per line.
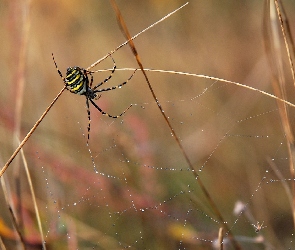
230, 133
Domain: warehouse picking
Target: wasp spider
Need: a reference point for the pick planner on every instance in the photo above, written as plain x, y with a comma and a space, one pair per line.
77, 82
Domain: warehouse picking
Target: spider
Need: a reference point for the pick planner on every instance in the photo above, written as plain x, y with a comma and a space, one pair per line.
258, 226
77, 82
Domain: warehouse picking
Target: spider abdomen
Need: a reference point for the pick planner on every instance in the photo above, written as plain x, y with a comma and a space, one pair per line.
76, 80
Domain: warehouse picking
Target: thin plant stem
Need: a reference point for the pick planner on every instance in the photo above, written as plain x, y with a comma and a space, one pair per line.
33, 198
30, 133
201, 184
135, 36
285, 40
13, 217
211, 78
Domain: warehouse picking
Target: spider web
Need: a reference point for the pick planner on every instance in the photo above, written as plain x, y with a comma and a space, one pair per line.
133, 175
131, 186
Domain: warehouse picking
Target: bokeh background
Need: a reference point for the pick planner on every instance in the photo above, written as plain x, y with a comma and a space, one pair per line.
131, 186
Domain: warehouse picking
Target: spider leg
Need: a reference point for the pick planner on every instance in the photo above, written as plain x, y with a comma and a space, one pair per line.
116, 87
89, 119
91, 80
57, 68
104, 113
97, 97
109, 77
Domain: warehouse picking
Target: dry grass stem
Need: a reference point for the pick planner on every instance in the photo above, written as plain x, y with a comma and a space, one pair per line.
36, 210
126, 33
30, 133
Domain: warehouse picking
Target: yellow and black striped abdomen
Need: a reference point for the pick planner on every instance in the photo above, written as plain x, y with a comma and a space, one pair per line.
76, 80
